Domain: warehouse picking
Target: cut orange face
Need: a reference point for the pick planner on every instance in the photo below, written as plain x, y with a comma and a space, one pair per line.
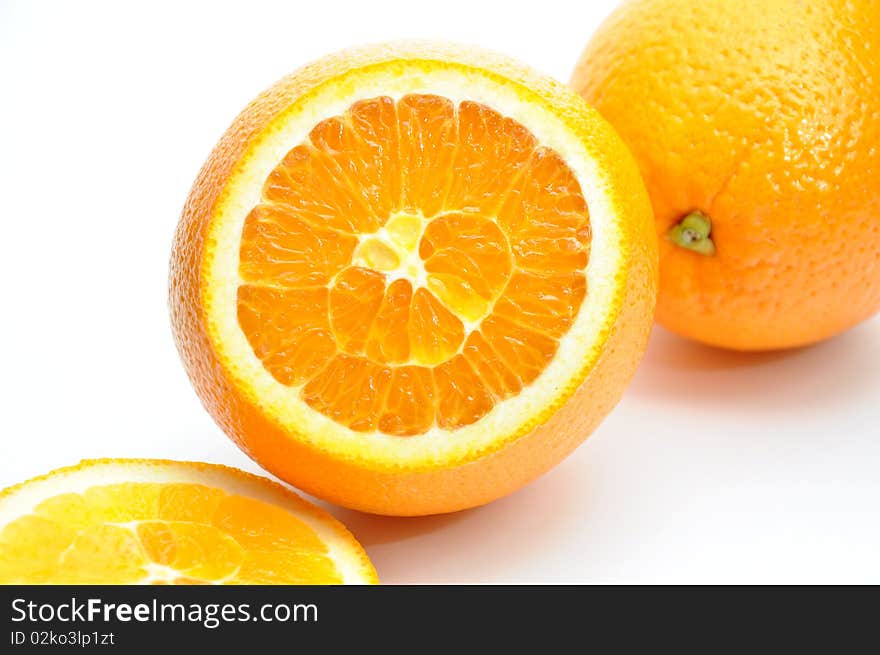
162, 522
398, 268
412, 264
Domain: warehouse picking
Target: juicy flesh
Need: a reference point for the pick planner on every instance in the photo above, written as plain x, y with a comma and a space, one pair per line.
413, 263
161, 533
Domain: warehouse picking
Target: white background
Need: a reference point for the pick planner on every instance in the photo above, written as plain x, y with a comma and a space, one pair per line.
715, 467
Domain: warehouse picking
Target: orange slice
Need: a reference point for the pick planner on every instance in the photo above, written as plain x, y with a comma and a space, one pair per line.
411, 278
162, 522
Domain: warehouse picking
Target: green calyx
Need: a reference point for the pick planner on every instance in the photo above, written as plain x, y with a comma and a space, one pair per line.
693, 232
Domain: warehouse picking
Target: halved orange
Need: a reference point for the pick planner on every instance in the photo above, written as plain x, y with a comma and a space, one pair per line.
162, 522
411, 278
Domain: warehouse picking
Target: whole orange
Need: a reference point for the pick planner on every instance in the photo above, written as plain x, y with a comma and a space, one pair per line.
756, 126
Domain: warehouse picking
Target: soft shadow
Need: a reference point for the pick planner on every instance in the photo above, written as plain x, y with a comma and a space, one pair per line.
675, 370
668, 350
374, 530
485, 543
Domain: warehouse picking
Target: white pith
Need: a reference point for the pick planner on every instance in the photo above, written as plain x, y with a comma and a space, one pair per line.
243, 192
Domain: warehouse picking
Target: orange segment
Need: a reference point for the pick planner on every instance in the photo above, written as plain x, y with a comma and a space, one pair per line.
349, 390
122, 529
492, 153
545, 217
521, 348
280, 249
289, 330
548, 304
435, 333
189, 502
354, 302
468, 262
102, 554
375, 123
499, 378
123, 502
388, 341
259, 526
309, 185
462, 396
71, 509
409, 405
428, 143
160, 543
30, 547
286, 567
369, 129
